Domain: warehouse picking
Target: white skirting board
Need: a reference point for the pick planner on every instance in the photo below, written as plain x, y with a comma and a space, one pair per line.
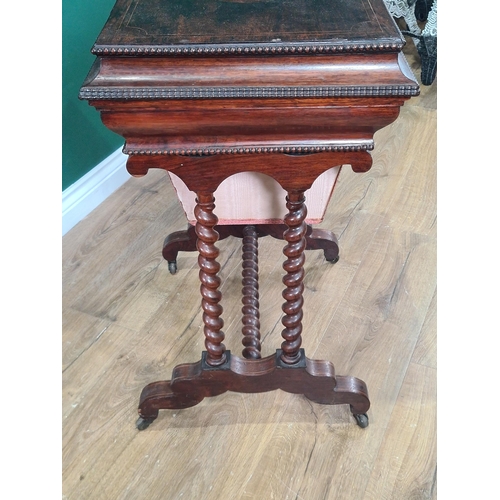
92, 189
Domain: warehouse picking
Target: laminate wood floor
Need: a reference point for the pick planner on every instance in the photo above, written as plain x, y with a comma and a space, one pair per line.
127, 322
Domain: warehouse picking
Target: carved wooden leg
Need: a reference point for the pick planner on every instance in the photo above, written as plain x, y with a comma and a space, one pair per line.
185, 241
210, 282
179, 241
289, 369
293, 280
250, 310
325, 240
193, 382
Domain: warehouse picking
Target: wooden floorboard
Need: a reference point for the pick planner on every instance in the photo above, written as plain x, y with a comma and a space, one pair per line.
127, 322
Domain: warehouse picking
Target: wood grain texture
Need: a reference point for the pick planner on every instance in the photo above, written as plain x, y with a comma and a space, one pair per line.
128, 321
412, 423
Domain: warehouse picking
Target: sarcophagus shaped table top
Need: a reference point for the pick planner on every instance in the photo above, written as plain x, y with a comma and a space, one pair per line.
306, 55
181, 78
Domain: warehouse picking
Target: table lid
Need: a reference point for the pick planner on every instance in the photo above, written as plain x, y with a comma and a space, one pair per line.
205, 27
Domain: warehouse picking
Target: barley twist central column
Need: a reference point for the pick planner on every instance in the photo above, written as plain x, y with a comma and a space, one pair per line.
250, 282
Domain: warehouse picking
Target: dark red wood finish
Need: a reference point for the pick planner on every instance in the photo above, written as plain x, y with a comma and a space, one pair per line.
185, 241
208, 89
191, 383
250, 292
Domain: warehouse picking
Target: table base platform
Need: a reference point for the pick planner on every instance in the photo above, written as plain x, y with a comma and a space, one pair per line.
218, 371
192, 382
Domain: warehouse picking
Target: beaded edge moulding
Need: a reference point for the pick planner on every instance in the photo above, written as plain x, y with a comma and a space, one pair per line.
247, 49
245, 92
368, 146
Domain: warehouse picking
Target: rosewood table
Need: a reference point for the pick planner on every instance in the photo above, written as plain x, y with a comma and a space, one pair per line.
210, 89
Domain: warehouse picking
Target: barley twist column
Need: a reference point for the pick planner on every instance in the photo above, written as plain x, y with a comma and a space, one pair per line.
250, 282
210, 282
293, 280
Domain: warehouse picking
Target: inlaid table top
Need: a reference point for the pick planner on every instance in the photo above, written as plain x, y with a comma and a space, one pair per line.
248, 26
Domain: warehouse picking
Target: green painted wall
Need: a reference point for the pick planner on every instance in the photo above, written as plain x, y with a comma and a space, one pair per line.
85, 141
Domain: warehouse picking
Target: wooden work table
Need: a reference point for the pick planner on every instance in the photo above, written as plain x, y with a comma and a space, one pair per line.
210, 89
